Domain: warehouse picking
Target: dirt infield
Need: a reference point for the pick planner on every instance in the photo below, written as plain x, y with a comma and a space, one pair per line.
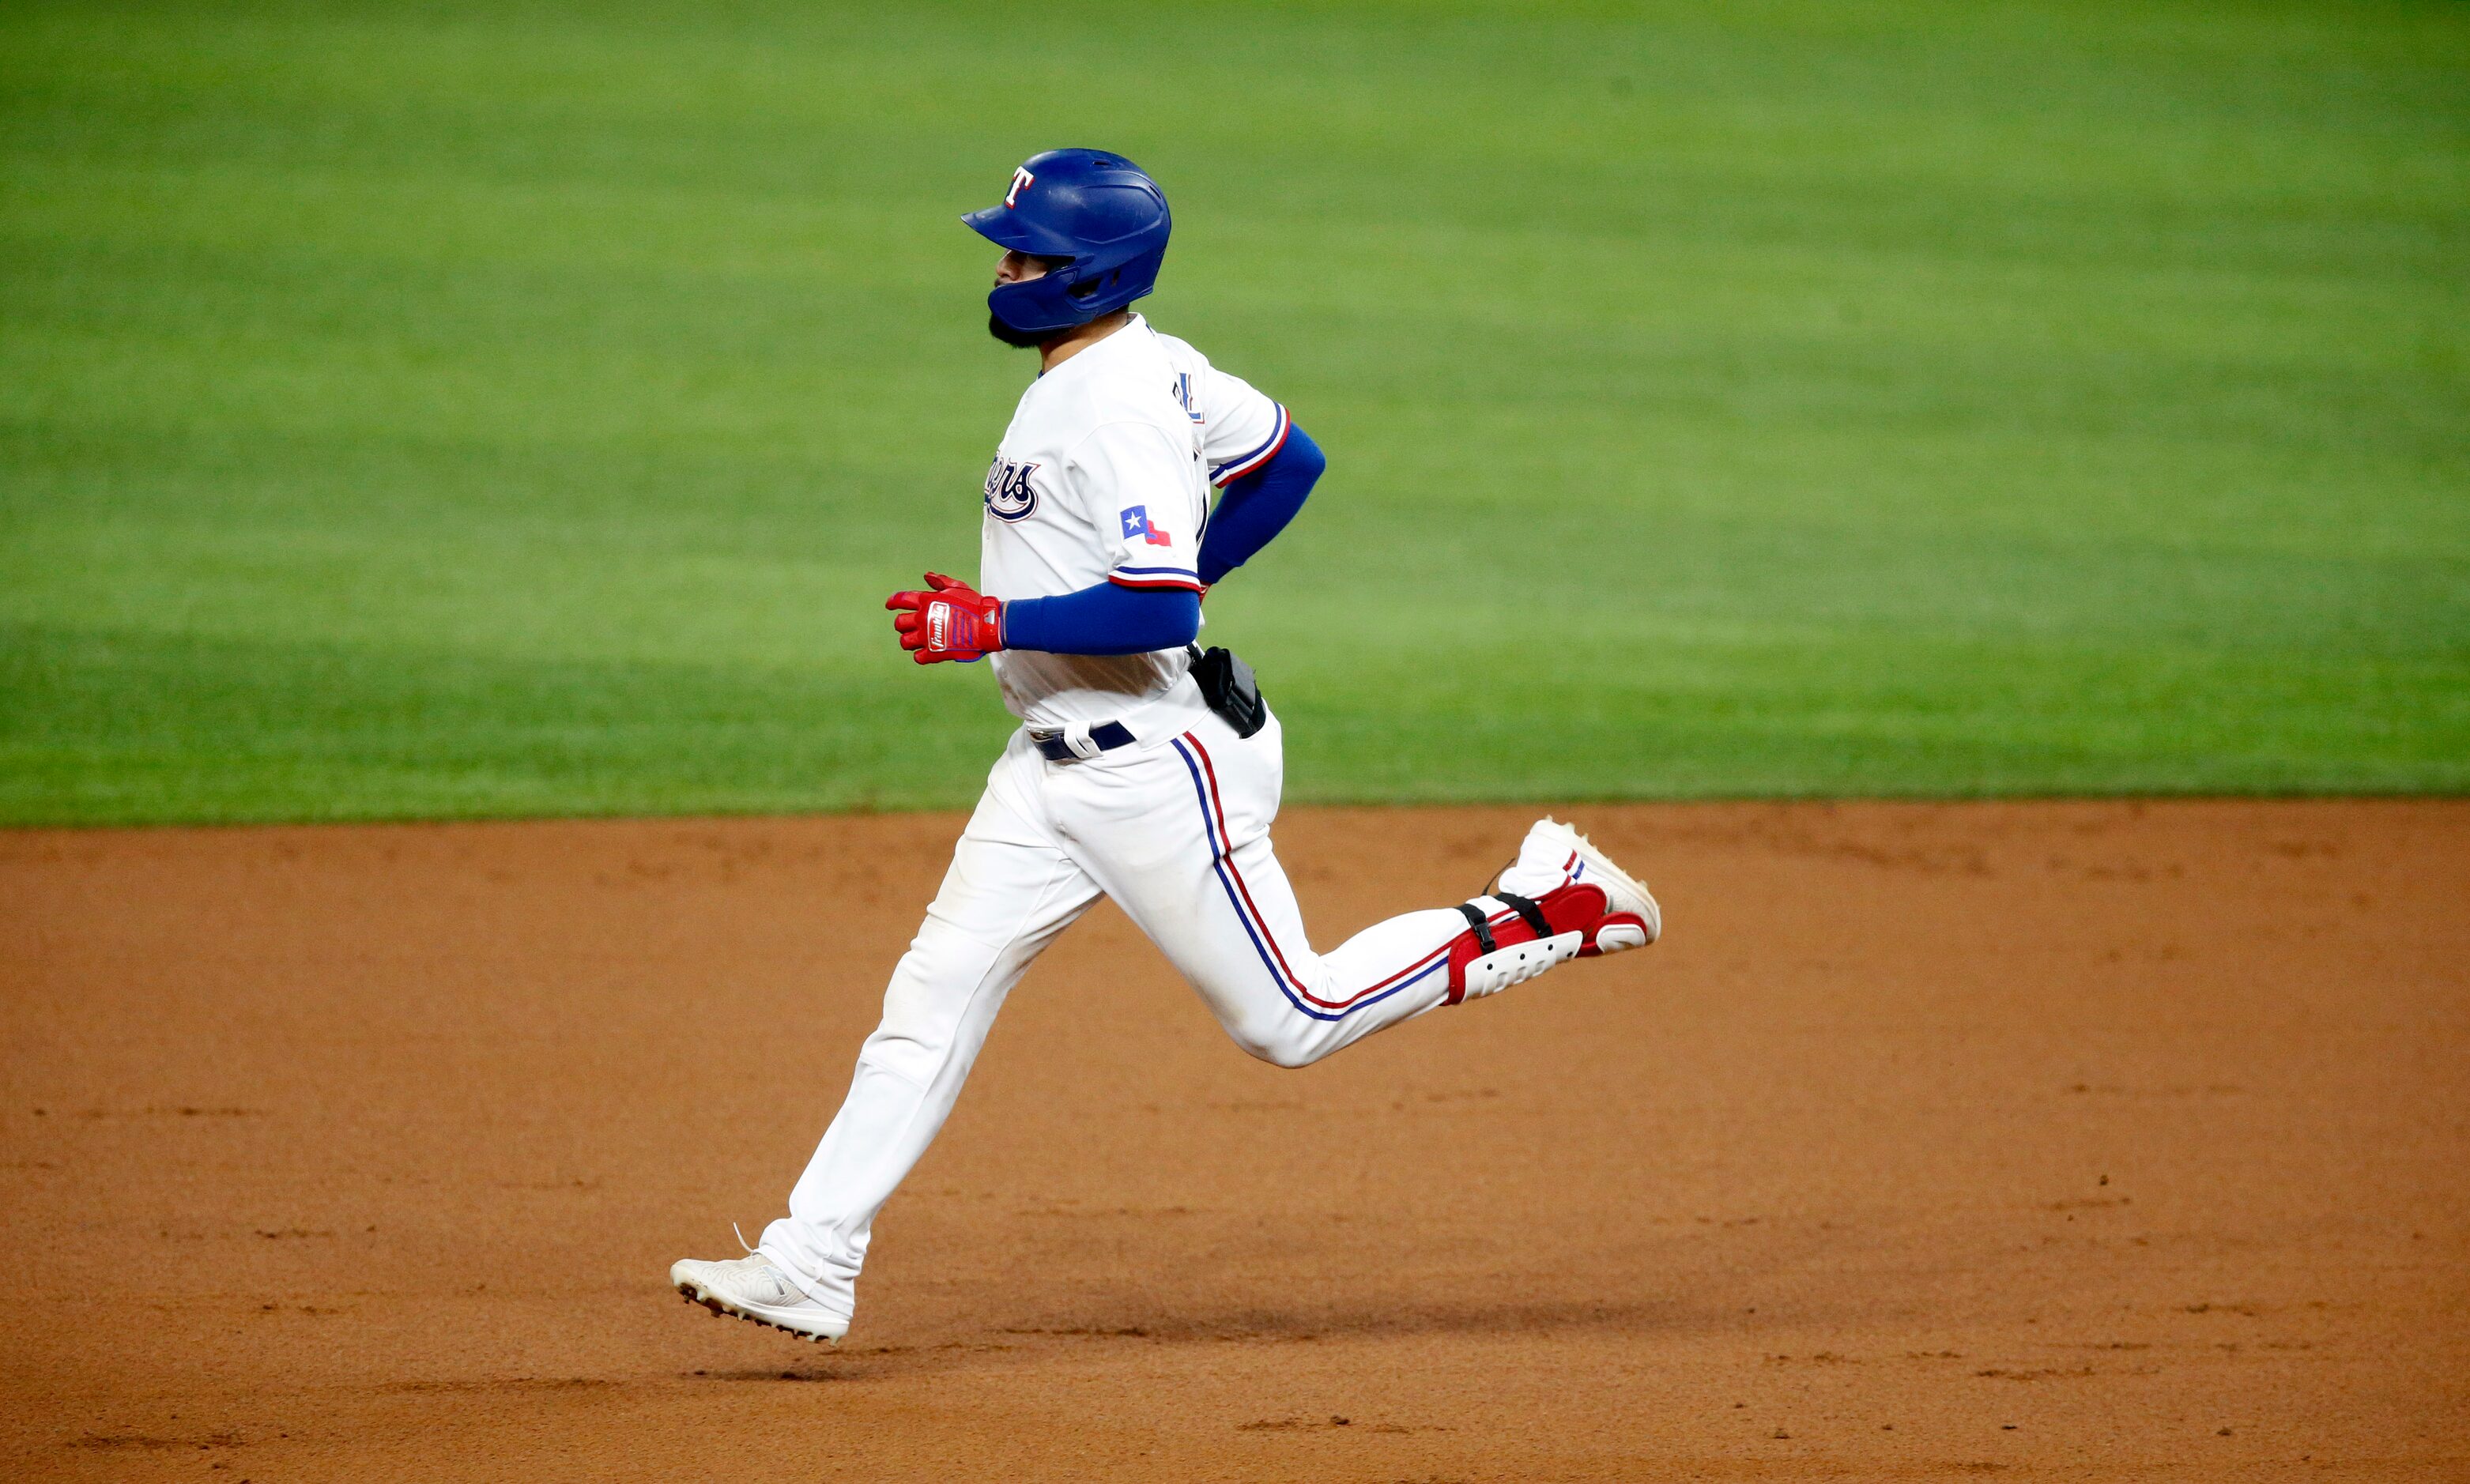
2042, 1140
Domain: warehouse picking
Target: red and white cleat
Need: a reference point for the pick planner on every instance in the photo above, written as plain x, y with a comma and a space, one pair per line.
1583, 906
1631, 917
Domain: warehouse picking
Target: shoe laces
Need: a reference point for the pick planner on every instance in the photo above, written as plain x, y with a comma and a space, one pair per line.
787, 1288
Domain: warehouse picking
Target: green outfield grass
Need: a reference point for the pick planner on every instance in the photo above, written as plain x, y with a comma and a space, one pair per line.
494, 410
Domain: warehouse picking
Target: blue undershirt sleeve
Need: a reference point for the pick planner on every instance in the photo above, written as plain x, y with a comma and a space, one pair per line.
1104, 619
1257, 507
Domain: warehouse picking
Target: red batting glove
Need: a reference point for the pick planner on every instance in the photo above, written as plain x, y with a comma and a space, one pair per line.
951, 622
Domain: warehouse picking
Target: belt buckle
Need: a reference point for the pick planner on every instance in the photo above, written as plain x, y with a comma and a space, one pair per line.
1073, 735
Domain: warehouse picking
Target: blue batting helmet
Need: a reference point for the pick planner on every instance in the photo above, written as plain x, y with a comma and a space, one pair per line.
1100, 211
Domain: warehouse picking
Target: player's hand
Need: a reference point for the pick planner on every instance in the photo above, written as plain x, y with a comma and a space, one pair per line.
948, 622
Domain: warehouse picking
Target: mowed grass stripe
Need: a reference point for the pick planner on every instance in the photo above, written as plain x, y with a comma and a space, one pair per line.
518, 411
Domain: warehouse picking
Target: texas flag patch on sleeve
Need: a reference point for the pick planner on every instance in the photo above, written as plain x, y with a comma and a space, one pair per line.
1136, 522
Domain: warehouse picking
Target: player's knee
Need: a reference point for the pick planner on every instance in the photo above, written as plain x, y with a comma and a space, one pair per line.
1292, 1054
1282, 1043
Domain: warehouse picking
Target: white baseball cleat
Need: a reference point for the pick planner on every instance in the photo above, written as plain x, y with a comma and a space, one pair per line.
1625, 896
750, 1287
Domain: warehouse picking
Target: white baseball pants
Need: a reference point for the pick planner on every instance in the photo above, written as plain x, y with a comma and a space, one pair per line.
1175, 828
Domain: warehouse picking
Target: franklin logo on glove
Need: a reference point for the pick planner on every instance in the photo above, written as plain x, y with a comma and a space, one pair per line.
947, 622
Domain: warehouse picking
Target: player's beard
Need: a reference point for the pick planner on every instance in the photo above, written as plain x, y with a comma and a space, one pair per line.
1017, 339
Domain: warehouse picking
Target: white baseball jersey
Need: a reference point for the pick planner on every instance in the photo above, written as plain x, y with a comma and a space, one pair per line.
1104, 476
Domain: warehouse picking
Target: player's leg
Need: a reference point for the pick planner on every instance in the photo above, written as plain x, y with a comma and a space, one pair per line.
1010, 889
1179, 837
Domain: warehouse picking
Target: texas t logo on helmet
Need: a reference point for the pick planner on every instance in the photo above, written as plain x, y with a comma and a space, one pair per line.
1098, 214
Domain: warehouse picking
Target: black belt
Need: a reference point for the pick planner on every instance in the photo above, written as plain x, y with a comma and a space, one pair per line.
1103, 737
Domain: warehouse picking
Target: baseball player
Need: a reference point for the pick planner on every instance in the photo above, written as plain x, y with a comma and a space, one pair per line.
1142, 770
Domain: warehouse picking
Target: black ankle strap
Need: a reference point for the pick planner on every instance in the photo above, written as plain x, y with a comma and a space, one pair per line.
1529, 909
1476, 920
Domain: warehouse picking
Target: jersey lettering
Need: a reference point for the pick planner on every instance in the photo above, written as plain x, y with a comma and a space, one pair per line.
1009, 496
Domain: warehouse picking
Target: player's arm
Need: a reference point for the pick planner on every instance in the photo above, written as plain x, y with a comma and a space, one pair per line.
1258, 505
950, 620
1261, 459
1105, 619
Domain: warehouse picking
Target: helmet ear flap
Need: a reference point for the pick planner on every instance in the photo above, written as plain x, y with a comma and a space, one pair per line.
1089, 288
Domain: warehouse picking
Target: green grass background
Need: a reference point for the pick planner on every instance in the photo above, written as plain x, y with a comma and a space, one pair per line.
473, 409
